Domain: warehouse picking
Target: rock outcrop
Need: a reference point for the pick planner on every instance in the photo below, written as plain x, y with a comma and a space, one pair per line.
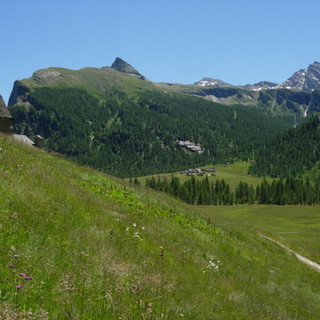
122, 66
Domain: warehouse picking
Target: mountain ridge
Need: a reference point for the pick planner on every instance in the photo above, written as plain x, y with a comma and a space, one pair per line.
303, 79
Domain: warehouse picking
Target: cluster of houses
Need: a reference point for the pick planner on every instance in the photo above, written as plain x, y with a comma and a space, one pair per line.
199, 172
191, 146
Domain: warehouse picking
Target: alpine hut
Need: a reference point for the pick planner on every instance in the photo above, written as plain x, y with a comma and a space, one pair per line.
5, 117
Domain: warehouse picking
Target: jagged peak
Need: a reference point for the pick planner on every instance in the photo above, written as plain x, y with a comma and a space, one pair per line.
123, 66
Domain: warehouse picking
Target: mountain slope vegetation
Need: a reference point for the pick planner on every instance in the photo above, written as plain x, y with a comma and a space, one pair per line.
78, 244
128, 126
291, 154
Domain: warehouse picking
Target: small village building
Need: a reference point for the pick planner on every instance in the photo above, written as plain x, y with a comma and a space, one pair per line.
5, 118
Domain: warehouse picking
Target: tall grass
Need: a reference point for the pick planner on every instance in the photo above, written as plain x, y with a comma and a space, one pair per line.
78, 244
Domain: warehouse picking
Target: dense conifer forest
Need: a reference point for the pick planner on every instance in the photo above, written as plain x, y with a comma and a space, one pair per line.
289, 191
129, 134
290, 154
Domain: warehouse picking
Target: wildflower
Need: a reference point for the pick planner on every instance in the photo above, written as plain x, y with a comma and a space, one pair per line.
27, 278
134, 224
19, 286
10, 265
22, 274
137, 236
17, 255
214, 266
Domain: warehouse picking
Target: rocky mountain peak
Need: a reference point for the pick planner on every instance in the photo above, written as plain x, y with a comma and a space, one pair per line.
123, 66
303, 79
296, 81
313, 76
211, 82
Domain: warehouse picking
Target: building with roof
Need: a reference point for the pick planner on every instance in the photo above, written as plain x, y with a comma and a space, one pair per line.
5, 118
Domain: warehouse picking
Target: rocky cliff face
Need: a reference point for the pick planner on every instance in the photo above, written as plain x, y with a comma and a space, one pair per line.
18, 93
312, 77
122, 66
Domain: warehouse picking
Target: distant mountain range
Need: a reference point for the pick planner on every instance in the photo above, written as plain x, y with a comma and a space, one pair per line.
303, 79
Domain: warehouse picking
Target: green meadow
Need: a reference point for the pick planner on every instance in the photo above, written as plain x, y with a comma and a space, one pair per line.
78, 244
298, 227
231, 173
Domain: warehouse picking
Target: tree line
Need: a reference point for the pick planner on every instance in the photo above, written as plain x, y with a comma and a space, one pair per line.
288, 191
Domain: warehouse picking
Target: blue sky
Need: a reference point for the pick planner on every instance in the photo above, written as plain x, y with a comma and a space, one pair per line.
238, 41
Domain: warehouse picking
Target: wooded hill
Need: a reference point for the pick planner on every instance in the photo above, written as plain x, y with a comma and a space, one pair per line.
128, 126
291, 154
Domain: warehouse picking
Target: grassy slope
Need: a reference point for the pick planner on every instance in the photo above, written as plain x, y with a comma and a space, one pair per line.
296, 226
95, 80
97, 250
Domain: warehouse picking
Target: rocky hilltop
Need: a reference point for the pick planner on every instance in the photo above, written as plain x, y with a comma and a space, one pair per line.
122, 66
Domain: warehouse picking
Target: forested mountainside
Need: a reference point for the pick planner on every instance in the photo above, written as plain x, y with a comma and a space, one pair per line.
290, 154
129, 135
123, 124
291, 105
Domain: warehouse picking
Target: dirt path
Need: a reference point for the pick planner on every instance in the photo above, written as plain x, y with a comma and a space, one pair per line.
310, 263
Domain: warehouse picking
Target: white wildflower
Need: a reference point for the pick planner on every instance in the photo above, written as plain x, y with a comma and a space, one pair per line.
214, 266
137, 236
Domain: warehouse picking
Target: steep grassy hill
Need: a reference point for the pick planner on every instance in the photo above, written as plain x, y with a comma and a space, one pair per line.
128, 126
78, 244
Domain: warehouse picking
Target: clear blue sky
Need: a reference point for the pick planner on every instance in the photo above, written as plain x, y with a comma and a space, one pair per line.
238, 41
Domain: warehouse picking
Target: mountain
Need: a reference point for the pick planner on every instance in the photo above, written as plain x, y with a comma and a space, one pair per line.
290, 154
296, 81
293, 99
122, 66
261, 85
290, 104
307, 80
127, 126
211, 82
